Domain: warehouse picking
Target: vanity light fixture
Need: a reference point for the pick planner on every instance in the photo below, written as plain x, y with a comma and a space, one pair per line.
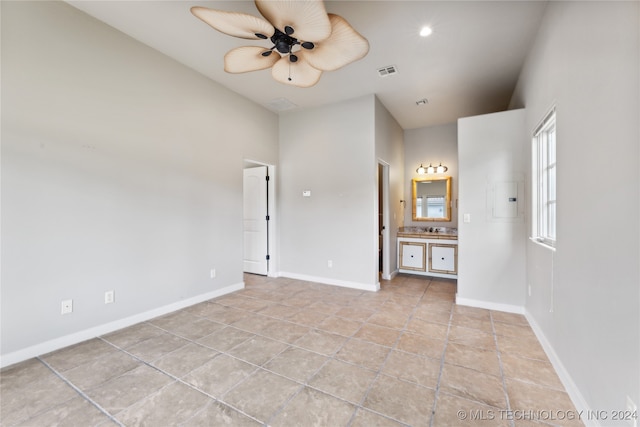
431, 169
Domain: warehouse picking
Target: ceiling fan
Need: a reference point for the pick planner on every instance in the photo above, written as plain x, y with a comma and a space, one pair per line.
306, 40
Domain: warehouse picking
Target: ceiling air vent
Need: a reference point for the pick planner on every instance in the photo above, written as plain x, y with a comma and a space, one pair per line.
387, 71
280, 104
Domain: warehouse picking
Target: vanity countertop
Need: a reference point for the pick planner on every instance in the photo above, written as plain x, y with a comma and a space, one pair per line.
429, 232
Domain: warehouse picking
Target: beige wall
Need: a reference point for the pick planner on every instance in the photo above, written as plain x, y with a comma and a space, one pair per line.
433, 144
585, 296
390, 150
121, 170
330, 152
491, 250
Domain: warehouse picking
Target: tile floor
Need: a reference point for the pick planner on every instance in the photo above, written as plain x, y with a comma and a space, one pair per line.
284, 352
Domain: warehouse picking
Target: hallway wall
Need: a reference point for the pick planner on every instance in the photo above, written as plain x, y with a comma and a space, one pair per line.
585, 295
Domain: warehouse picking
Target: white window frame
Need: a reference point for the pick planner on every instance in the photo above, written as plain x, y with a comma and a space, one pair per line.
437, 202
544, 175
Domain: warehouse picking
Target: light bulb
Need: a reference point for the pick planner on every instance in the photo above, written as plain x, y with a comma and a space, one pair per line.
426, 31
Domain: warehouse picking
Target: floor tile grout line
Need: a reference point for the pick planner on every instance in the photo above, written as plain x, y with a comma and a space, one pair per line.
180, 380
257, 368
391, 349
330, 357
381, 368
394, 348
442, 359
353, 302
502, 376
79, 391
333, 356
257, 334
310, 377
358, 406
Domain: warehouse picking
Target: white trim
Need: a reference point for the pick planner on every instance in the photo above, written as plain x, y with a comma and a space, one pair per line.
545, 120
77, 337
542, 243
572, 389
393, 274
272, 206
386, 223
324, 280
508, 308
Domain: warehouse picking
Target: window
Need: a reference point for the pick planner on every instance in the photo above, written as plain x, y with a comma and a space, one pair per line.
544, 181
435, 206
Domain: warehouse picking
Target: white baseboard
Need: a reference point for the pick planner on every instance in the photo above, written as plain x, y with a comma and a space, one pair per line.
77, 337
324, 280
572, 390
390, 276
509, 308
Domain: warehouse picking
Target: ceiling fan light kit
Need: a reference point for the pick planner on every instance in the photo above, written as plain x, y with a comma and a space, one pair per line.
306, 40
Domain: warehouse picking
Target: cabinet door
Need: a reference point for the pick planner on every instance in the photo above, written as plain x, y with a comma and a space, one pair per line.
443, 258
413, 256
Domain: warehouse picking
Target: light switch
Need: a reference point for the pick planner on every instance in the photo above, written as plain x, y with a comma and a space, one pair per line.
306, 193
466, 218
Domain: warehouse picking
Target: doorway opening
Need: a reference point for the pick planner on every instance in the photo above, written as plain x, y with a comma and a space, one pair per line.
258, 218
383, 220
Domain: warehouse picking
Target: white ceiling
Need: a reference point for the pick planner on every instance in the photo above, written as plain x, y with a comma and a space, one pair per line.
468, 66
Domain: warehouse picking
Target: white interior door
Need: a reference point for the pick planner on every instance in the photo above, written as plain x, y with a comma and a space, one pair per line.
256, 214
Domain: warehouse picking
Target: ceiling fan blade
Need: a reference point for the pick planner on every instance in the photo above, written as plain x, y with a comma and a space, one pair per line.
234, 23
307, 18
298, 73
248, 58
344, 46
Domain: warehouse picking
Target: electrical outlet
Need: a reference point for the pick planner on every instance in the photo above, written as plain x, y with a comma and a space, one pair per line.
212, 273
67, 306
330, 264
109, 297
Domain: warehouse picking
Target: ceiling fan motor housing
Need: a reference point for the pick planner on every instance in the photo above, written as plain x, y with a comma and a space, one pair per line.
283, 42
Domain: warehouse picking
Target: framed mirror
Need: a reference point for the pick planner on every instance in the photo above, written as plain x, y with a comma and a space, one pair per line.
431, 198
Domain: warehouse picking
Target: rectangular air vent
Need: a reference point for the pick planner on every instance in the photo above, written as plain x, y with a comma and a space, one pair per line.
387, 71
280, 104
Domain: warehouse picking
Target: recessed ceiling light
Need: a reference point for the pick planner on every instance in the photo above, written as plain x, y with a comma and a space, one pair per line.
426, 31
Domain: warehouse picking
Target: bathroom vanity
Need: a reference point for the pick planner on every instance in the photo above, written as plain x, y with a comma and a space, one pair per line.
429, 251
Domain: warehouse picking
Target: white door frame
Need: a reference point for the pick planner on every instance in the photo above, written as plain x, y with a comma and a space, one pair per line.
386, 275
273, 265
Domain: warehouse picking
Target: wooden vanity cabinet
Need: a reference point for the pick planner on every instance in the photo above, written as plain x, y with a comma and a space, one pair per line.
430, 257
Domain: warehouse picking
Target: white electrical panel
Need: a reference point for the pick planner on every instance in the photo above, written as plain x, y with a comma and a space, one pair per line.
505, 199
